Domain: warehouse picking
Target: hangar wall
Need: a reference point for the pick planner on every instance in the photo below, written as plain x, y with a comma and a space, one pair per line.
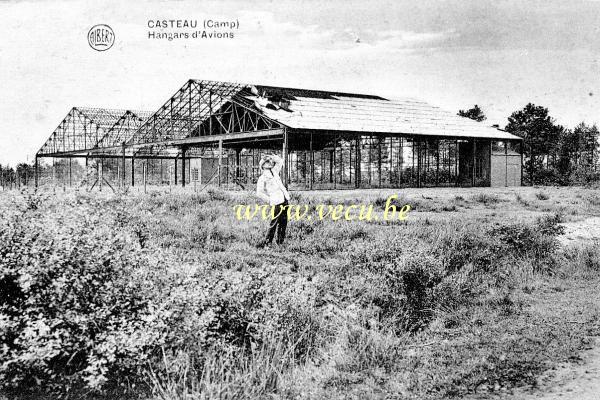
505, 164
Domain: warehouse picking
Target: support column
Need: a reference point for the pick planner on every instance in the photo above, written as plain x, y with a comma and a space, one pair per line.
237, 163
100, 173
123, 165
456, 161
331, 160
36, 171
521, 149
312, 163
285, 169
176, 180
370, 159
400, 159
133, 170
220, 167
425, 162
379, 159
489, 163
419, 163
391, 160
358, 160
70, 173
183, 149
437, 163
473, 164
145, 174
334, 150
227, 170
350, 166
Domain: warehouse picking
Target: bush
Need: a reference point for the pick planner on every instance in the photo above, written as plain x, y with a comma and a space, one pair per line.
86, 305
488, 249
71, 314
486, 199
542, 196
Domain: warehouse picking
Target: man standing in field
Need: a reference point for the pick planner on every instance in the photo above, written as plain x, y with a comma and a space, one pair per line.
270, 188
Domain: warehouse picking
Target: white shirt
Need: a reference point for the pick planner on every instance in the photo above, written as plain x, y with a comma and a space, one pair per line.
269, 186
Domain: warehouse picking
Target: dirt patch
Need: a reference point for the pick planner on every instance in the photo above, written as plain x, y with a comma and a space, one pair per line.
579, 381
581, 231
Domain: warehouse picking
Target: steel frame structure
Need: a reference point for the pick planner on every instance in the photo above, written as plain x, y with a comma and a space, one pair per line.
199, 115
221, 121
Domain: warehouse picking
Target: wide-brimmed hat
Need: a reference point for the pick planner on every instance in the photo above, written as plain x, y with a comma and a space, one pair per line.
262, 162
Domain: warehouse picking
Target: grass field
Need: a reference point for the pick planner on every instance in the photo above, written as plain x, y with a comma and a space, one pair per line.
164, 295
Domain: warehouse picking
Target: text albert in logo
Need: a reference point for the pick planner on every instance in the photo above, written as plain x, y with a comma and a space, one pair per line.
101, 37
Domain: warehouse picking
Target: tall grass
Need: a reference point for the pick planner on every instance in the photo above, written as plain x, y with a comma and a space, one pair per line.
414, 309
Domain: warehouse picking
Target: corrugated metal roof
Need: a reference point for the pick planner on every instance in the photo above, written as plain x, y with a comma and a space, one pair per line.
371, 114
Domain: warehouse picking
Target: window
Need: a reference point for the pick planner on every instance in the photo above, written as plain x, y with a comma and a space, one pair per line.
514, 147
498, 146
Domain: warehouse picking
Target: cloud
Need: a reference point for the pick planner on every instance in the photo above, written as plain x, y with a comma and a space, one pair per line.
408, 39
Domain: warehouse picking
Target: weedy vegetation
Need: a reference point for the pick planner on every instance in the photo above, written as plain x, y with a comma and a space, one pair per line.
164, 296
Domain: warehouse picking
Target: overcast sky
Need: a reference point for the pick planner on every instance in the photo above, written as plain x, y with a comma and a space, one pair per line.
498, 54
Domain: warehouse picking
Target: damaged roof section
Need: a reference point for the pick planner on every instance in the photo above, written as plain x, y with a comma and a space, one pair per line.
331, 111
202, 109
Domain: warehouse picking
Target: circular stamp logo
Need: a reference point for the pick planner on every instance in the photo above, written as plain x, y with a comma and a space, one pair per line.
101, 37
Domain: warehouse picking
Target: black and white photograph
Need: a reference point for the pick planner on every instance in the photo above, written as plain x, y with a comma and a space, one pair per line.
299, 200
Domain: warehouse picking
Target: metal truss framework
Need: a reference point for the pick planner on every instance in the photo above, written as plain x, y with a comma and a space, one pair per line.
219, 120
197, 118
86, 130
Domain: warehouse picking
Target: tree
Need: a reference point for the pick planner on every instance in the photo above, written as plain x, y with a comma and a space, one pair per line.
578, 154
567, 148
474, 113
24, 173
540, 139
587, 145
7, 176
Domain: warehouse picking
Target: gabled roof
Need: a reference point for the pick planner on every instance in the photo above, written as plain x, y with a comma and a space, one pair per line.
332, 111
124, 128
85, 128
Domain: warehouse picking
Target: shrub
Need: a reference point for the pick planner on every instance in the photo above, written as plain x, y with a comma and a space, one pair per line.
486, 249
71, 314
542, 196
402, 291
486, 199
521, 200
537, 242
593, 200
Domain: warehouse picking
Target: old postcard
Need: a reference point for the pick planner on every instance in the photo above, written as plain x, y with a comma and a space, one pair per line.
299, 199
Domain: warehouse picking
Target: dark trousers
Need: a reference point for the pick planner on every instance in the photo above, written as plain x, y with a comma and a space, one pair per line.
278, 223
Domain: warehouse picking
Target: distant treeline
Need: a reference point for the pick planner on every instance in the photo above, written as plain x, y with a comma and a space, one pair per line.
22, 175
553, 154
